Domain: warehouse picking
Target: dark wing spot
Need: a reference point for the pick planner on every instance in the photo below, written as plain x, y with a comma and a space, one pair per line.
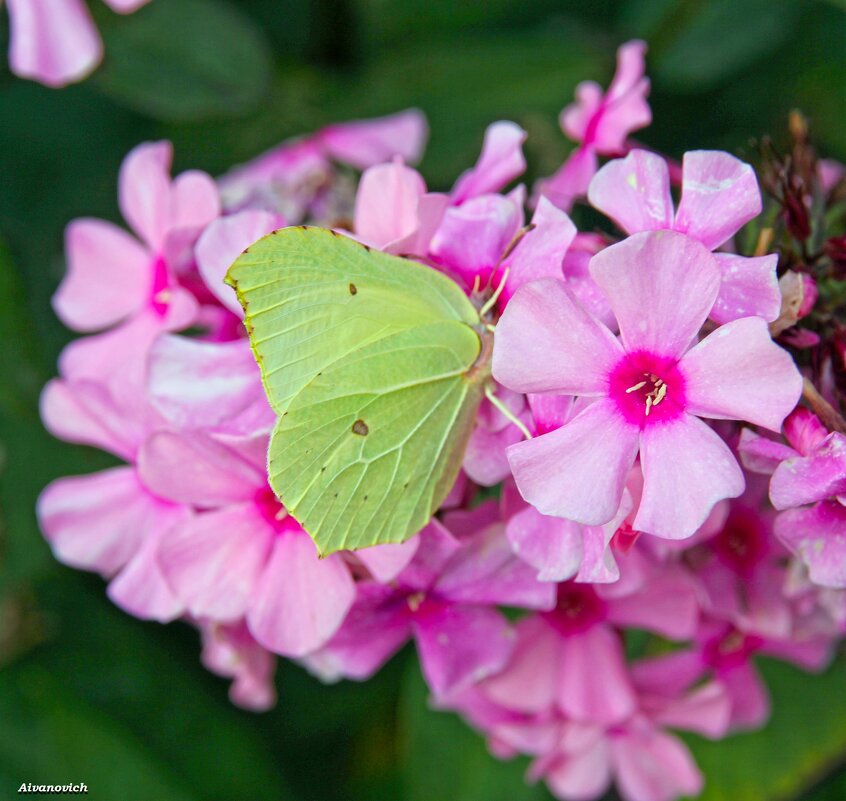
353, 289
365, 497
360, 428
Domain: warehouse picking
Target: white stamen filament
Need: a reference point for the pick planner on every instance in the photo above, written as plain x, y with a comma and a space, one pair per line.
636, 387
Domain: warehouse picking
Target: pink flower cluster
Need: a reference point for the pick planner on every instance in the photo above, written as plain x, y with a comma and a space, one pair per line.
642, 365
56, 42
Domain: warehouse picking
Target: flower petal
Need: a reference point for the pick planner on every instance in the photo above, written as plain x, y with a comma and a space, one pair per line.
554, 547
459, 645
806, 479
109, 276
546, 341
144, 191
661, 286
738, 373
53, 42
634, 192
719, 195
500, 161
749, 288
386, 203
194, 201
687, 468
300, 600
817, 535
578, 471
212, 562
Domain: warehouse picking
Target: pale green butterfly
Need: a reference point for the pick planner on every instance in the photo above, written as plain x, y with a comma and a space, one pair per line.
376, 366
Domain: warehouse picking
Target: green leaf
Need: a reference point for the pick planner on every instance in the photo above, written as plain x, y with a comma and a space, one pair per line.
442, 758
803, 741
185, 60
371, 362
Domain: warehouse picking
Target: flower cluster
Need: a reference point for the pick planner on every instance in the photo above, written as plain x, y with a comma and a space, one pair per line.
655, 495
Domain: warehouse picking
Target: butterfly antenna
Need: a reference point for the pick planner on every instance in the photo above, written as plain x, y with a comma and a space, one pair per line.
506, 412
491, 302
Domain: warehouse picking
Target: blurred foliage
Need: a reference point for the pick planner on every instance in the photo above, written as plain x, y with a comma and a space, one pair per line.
89, 694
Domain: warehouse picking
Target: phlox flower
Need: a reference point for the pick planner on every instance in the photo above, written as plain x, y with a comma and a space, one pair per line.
242, 556
601, 123
650, 386
445, 600
719, 195
113, 276
297, 179
56, 42
809, 482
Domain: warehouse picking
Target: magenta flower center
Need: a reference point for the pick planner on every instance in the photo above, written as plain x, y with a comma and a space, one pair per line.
647, 388
732, 649
160, 293
742, 544
272, 511
578, 609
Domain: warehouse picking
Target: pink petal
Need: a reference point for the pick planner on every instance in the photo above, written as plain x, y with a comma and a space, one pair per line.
687, 468
719, 195
300, 600
109, 276
375, 628
224, 241
144, 191
363, 143
194, 201
435, 548
572, 179
706, 710
549, 544
217, 475
583, 775
540, 253
667, 604
141, 589
661, 286
550, 411
818, 536
528, 683
126, 6
749, 288
594, 684
576, 117
485, 461
500, 162
459, 645
52, 41
473, 237
386, 562
761, 454
545, 341
634, 192
205, 384
749, 696
578, 471
653, 766
84, 412
213, 561
486, 571
804, 431
806, 479
386, 203
99, 521
738, 373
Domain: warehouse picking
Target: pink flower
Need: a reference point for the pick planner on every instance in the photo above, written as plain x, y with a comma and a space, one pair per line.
55, 41
650, 386
809, 473
112, 276
444, 599
293, 178
243, 556
500, 162
601, 123
719, 195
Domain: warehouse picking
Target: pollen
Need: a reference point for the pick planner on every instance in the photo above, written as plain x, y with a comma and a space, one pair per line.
653, 396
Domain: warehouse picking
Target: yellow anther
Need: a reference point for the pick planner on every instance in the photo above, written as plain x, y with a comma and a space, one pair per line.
636, 387
648, 404
662, 393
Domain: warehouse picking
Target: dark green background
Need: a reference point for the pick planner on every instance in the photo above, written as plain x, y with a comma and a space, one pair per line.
90, 694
